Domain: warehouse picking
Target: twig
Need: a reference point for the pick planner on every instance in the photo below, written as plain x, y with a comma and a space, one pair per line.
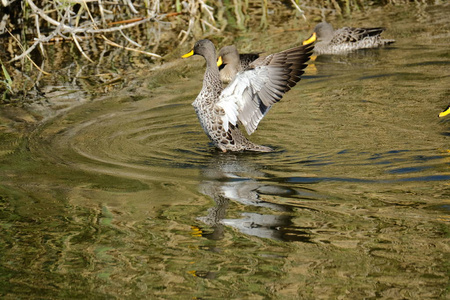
38, 42
125, 21
299, 9
193, 13
127, 48
129, 39
213, 27
36, 21
71, 30
90, 15
79, 47
25, 54
44, 16
31, 48
172, 14
130, 5
119, 46
102, 13
209, 10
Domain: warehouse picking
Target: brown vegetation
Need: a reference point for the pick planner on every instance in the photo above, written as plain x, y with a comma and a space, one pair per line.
75, 38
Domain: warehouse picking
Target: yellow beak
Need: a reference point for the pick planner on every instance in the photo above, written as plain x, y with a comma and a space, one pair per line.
445, 112
188, 54
219, 61
311, 39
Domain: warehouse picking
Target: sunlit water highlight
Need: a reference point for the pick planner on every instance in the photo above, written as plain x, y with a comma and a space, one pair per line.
124, 197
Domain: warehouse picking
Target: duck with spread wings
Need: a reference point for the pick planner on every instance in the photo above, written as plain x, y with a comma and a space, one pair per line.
248, 97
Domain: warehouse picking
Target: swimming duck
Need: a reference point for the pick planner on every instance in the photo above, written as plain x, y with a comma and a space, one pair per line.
445, 112
247, 98
346, 39
230, 62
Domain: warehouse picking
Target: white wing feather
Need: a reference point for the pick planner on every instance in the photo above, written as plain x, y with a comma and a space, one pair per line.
243, 98
253, 92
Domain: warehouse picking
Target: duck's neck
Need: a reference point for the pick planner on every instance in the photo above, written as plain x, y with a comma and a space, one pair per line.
211, 80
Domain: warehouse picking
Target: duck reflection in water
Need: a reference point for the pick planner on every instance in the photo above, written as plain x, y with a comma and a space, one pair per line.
230, 177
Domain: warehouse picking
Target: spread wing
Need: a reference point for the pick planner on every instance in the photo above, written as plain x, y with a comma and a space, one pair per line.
246, 59
353, 35
253, 92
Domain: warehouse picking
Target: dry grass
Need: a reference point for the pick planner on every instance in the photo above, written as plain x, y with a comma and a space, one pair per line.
93, 33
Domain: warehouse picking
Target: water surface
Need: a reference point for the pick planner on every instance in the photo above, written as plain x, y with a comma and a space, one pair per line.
124, 196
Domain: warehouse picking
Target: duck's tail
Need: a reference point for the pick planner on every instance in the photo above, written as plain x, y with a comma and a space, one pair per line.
387, 41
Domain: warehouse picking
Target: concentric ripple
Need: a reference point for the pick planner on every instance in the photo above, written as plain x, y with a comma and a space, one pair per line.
141, 139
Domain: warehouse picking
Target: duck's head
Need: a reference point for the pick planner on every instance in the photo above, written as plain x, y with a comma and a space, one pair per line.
228, 55
204, 48
324, 31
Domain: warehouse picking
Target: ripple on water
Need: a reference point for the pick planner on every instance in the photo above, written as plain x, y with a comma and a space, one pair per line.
138, 140
147, 140
354, 166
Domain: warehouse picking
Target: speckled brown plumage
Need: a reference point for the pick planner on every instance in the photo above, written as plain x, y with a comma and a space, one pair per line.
346, 39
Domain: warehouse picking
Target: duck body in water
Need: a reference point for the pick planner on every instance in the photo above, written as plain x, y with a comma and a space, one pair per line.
247, 98
347, 39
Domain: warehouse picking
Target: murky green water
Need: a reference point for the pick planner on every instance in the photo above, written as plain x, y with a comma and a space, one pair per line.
124, 197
